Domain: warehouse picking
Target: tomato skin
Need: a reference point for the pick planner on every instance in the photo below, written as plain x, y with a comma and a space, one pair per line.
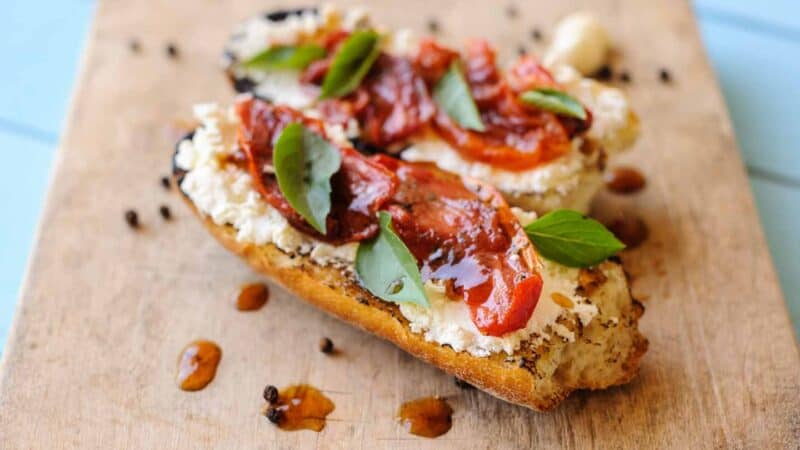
464, 234
526, 73
508, 310
359, 189
516, 137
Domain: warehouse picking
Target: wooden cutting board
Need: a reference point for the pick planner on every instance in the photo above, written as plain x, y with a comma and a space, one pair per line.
105, 310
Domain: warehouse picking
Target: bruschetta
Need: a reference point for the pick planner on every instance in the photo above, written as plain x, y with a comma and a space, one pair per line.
541, 134
437, 263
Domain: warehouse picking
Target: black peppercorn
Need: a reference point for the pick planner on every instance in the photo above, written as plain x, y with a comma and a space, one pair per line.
271, 394
511, 11
134, 45
463, 384
664, 75
132, 218
274, 415
326, 346
165, 182
165, 213
433, 26
604, 73
521, 50
536, 35
625, 77
172, 51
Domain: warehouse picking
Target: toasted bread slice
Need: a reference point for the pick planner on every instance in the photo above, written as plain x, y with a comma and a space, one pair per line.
536, 371
605, 353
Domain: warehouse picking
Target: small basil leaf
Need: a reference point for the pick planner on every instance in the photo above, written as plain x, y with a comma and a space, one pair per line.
351, 63
452, 94
387, 268
572, 239
554, 101
304, 163
285, 57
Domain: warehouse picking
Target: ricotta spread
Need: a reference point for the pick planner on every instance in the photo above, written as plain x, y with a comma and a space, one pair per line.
225, 194
254, 35
614, 124
562, 174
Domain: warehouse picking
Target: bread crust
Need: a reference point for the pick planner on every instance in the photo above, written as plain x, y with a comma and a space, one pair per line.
517, 379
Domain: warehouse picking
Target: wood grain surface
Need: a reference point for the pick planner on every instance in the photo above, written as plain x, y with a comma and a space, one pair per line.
106, 310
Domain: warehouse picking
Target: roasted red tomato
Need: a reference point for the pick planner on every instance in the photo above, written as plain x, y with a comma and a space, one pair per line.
359, 188
467, 236
433, 60
391, 104
517, 137
399, 104
526, 73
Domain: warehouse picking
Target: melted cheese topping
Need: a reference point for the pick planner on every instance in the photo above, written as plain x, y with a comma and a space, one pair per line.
225, 194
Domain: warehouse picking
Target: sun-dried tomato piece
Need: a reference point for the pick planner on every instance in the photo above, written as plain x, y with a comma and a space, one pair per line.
465, 235
359, 189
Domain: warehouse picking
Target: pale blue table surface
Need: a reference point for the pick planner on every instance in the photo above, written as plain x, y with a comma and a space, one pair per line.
754, 47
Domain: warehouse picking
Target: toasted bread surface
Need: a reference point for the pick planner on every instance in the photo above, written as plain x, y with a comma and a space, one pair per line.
603, 354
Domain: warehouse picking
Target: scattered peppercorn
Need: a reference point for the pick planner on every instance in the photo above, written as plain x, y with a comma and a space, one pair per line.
433, 26
536, 35
274, 415
604, 73
511, 11
625, 77
664, 75
521, 50
271, 394
132, 218
326, 346
463, 384
172, 51
165, 212
165, 182
134, 45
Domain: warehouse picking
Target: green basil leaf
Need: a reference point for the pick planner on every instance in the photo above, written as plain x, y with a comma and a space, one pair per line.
351, 63
554, 101
387, 268
572, 239
285, 57
452, 94
304, 163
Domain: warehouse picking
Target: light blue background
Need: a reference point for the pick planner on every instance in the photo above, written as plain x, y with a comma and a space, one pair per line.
754, 47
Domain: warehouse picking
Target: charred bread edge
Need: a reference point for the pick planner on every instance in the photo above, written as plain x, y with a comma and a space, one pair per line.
327, 289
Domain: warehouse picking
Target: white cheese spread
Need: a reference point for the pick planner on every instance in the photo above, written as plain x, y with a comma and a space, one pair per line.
258, 33
562, 174
448, 322
225, 194
614, 124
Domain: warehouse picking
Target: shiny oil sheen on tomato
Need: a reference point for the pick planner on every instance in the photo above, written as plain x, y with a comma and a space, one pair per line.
468, 238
